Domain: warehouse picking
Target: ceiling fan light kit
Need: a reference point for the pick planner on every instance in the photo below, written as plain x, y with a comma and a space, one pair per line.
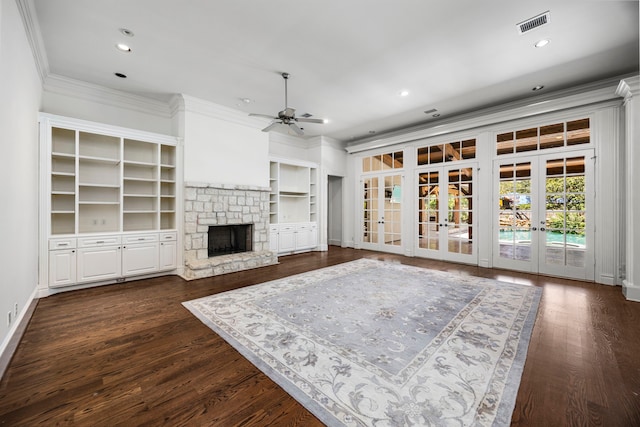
287, 116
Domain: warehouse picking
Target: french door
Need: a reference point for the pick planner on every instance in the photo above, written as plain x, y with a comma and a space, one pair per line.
445, 221
543, 217
382, 213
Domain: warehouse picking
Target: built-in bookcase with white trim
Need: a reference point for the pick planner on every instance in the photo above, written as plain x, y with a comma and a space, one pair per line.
293, 206
106, 180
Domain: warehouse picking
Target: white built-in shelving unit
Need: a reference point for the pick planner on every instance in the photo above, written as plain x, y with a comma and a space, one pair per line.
108, 188
293, 206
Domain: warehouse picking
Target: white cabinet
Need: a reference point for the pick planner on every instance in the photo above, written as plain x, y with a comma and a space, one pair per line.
140, 254
286, 238
62, 262
306, 236
293, 238
168, 251
110, 182
99, 263
109, 257
273, 238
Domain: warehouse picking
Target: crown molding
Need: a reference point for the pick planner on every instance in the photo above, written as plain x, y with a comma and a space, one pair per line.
628, 87
206, 108
291, 140
578, 96
102, 95
32, 30
325, 141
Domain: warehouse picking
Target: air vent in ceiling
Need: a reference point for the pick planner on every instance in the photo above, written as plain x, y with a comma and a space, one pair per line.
533, 23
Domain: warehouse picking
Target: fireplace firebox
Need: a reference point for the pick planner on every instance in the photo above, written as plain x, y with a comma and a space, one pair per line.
230, 239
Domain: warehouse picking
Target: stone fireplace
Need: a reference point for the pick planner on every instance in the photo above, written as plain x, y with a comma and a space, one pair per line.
243, 210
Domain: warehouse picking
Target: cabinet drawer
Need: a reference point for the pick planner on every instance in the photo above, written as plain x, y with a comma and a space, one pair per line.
62, 244
139, 238
86, 242
172, 235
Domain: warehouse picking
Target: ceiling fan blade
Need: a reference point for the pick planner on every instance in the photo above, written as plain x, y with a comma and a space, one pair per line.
271, 126
296, 129
266, 116
302, 119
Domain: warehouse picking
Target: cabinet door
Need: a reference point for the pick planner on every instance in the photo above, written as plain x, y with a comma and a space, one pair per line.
302, 236
62, 268
286, 239
99, 263
168, 252
273, 239
140, 258
313, 235
306, 236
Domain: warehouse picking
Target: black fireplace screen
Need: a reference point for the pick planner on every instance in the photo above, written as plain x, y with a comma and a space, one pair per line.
230, 239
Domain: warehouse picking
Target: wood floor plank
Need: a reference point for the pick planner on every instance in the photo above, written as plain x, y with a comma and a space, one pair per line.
132, 355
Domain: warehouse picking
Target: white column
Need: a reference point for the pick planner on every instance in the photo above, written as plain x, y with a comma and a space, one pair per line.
629, 89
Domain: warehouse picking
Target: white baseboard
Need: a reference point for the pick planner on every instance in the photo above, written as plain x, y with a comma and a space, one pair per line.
11, 341
630, 292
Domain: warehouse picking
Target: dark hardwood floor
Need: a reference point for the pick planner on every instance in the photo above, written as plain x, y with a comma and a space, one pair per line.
131, 354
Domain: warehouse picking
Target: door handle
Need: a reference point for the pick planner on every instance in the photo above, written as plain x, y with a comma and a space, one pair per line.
542, 229
533, 228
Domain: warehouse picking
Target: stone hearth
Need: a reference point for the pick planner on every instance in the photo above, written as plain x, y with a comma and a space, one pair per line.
222, 204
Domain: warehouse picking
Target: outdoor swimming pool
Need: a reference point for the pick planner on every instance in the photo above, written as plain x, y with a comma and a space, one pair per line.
552, 237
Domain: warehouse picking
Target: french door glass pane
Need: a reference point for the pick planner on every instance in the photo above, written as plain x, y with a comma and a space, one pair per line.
370, 223
565, 214
459, 211
515, 211
428, 206
392, 210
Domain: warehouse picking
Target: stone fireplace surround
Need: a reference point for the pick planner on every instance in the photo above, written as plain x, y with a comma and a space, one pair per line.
221, 204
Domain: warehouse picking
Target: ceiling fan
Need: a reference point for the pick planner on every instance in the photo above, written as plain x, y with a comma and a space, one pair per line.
287, 116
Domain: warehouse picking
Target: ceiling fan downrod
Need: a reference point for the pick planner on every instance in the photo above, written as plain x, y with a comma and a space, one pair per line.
285, 76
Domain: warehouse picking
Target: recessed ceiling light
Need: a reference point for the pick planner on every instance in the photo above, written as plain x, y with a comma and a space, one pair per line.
122, 76
123, 47
403, 93
246, 100
542, 43
537, 88
436, 115
126, 32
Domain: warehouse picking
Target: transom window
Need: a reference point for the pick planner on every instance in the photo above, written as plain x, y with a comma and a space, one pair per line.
447, 152
562, 134
382, 162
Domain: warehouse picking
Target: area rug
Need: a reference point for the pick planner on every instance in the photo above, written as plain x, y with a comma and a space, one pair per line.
372, 343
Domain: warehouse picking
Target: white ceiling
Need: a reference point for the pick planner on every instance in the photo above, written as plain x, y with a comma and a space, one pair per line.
348, 59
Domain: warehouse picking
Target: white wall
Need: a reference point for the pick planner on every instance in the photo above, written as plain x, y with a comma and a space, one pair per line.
20, 91
220, 147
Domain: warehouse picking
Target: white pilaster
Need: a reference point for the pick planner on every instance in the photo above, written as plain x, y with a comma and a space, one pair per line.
629, 89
